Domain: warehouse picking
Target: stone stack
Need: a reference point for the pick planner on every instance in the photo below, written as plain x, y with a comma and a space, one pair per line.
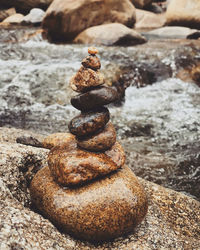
86, 190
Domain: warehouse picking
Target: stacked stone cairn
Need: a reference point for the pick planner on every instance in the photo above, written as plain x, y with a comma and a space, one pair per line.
86, 190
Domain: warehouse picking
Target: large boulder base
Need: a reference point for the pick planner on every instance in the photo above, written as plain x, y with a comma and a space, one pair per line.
64, 20
184, 13
172, 220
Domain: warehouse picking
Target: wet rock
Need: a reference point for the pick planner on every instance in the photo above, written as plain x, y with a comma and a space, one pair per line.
4, 13
196, 74
184, 13
116, 153
99, 142
29, 141
70, 165
56, 139
82, 15
24, 6
13, 19
92, 62
35, 17
173, 32
90, 122
85, 79
148, 20
141, 3
94, 98
101, 210
110, 34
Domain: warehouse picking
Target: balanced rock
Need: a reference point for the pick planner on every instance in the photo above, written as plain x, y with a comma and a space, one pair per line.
89, 122
100, 210
72, 166
86, 78
91, 62
99, 142
94, 98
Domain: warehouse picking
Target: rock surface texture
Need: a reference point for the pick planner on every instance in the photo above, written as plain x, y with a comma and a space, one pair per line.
86, 190
141, 3
64, 20
172, 220
184, 13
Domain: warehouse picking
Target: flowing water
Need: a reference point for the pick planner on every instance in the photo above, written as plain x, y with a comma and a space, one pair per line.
157, 121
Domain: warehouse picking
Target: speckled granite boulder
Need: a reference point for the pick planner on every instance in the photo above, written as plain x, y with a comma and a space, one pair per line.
172, 221
99, 211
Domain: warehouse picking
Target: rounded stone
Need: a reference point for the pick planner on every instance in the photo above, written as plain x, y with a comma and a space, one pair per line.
91, 62
94, 98
117, 154
102, 210
90, 122
101, 141
56, 139
73, 166
93, 50
85, 79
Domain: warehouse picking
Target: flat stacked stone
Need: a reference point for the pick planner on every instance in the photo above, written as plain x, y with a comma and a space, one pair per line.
86, 189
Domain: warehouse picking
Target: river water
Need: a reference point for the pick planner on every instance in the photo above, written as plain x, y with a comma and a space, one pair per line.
157, 120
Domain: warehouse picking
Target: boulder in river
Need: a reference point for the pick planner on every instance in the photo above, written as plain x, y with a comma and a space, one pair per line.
64, 20
4, 13
14, 19
184, 13
35, 17
110, 34
141, 3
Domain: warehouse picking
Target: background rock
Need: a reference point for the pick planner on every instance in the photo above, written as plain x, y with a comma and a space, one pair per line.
140, 3
35, 17
110, 34
66, 19
184, 13
172, 32
172, 220
4, 13
149, 20
14, 19
24, 6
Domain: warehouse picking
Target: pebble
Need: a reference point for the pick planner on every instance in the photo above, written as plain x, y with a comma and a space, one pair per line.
97, 211
85, 79
93, 50
101, 141
75, 166
90, 122
94, 98
91, 62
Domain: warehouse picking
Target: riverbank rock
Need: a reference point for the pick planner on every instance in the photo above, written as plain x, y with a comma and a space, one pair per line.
148, 20
141, 3
4, 13
24, 6
110, 34
172, 220
173, 32
35, 17
14, 19
184, 13
64, 20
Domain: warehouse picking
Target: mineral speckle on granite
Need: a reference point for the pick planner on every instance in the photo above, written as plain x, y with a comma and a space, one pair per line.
172, 221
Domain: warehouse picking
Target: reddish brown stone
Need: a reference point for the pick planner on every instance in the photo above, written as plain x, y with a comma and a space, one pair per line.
75, 166
90, 122
101, 141
101, 210
117, 154
85, 79
91, 62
